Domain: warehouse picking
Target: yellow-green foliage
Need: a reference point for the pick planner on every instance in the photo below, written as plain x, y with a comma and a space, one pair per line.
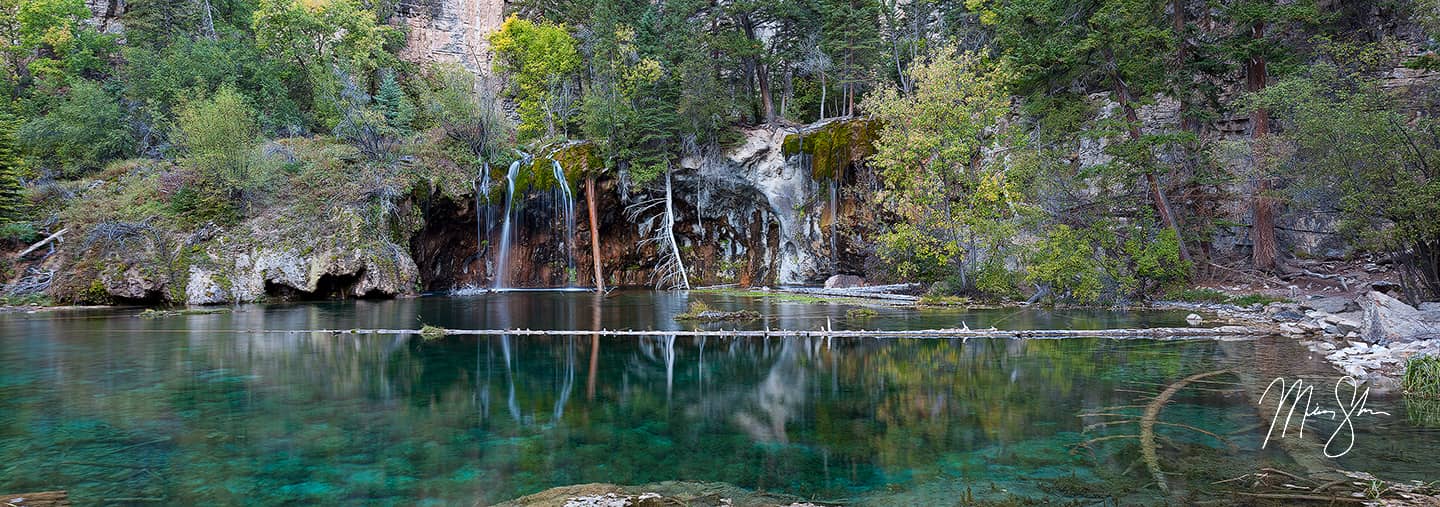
537, 57
833, 147
429, 332
1064, 261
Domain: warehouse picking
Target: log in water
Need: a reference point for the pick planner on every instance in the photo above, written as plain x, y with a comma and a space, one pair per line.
1162, 333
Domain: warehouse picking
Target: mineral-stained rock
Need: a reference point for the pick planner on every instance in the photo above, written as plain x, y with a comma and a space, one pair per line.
1388, 320
356, 272
132, 282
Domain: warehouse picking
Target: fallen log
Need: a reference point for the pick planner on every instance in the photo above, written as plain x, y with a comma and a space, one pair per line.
857, 292
42, 242
38, 499
1164, 333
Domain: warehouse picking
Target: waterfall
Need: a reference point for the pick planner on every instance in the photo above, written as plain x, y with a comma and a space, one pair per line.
834, 223
482, 209
567, 205
502, 262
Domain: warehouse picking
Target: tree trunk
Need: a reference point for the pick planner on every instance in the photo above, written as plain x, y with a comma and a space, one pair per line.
594, 233
757, 73
1162, 204
787, 93
823, 88
1182, 56
767, 105
1265, 251
684, 280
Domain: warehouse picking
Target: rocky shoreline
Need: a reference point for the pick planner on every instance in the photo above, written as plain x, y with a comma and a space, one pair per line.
1368, 337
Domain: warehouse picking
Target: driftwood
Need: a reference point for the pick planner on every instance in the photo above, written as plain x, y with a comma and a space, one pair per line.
38, 499
1163, 333
42, 242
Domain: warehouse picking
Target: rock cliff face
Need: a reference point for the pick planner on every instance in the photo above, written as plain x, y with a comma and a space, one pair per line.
106, 14
285, 255
449, 31
750, 215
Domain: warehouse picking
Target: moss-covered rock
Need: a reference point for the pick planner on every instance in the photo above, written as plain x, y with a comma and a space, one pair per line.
834, 146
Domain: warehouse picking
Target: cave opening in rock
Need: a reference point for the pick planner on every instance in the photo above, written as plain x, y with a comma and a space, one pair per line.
341, 286
150, 298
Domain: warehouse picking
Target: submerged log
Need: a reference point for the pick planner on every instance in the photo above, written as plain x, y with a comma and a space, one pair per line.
39, 499
1161, 333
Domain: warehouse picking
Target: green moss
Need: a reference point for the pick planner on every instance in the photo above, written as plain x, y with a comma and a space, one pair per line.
791, 145
834, 147
860, 313
430, 332
37, 299
944, 300
1251, 299
151, 313
578, 160
94, 294
699, 311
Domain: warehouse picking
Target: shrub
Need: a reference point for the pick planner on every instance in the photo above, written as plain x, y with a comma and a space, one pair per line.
1064, 262
18, 232
915, 255
219, 135
86, 130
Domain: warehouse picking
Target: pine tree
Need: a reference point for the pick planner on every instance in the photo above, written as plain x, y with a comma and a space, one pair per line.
390, 99
852, 38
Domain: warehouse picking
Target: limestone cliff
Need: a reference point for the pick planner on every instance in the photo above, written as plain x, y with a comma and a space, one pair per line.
449, 31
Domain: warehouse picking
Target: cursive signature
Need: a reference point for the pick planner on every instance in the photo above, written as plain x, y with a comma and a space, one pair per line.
1291, 393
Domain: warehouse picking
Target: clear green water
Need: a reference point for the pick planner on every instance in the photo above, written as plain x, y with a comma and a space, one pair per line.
202, 410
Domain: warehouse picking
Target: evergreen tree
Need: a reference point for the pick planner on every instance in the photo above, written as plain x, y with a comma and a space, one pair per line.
11, 165
390, 99
852, 39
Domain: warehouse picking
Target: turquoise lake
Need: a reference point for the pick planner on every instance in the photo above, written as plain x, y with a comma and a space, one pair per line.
219, 410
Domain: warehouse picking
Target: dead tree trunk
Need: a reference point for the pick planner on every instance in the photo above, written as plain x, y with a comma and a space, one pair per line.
684, 280
590, 199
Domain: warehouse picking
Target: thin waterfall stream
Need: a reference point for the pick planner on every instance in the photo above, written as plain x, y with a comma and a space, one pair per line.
567, 205
502, 262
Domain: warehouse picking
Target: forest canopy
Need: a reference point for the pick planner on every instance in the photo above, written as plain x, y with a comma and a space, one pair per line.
1022, 146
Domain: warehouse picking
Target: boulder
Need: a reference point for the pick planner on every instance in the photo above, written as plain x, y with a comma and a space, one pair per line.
844, 282
1387, 320
1333, 304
